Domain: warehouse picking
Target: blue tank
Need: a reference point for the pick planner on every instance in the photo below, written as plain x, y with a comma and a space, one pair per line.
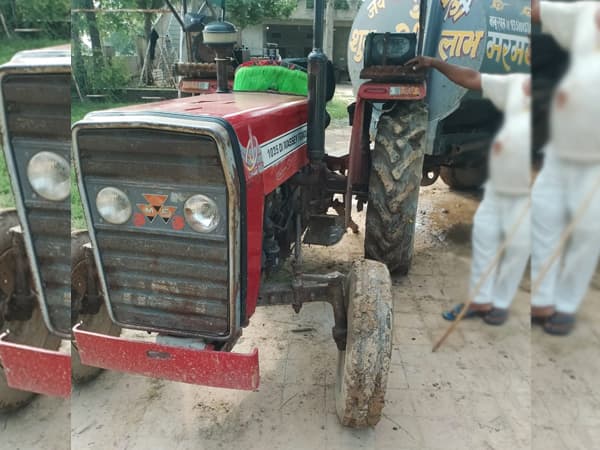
491, 36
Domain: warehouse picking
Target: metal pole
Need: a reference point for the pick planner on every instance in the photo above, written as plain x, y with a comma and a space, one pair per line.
317, 81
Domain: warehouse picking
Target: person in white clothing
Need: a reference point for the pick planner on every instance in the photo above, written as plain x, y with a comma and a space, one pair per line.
571, 169
503, 214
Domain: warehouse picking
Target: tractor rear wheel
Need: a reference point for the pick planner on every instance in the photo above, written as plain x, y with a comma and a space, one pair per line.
99, 322
31, 332
396, 172
363, 367
464, 178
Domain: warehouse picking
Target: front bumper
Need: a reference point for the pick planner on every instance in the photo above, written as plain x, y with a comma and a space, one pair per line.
34, 369
204, 367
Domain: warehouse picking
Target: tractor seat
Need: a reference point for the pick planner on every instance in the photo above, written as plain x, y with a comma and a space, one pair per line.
271, 76
286, 77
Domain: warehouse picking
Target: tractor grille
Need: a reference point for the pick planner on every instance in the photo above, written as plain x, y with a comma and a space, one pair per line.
37, 108
159, 277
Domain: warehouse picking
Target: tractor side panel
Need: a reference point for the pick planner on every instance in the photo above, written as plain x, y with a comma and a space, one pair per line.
273, 150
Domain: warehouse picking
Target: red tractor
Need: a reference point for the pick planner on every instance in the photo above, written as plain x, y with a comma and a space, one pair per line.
192, 203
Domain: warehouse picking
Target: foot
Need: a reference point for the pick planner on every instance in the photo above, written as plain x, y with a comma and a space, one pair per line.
560, 324
540, 314
496, 316
475, 310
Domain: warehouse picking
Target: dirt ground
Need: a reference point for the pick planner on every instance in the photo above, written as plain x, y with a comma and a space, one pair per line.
475, 392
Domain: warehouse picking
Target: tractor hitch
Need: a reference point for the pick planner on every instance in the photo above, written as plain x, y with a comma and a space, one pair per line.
205, 367
35, 369
305, 288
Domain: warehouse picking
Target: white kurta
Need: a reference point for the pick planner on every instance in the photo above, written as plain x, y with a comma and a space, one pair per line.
505, 201
572, 164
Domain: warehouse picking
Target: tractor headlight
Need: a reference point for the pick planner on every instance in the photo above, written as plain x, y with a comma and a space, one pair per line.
49, 175
201, 213
113, 205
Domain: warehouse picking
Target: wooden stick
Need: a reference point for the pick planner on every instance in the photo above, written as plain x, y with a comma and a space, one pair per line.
485, 275
76, 86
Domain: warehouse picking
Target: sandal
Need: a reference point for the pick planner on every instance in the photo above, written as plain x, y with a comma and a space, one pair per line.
539, 320
560, 324
453, 313
540, 314
496, 316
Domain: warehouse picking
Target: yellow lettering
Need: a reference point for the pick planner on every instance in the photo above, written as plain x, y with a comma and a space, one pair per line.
499, 5
415, 12
500, 46
455, 44
402, 28
357, 43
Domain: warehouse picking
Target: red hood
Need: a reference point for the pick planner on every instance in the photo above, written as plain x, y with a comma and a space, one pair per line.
228, 106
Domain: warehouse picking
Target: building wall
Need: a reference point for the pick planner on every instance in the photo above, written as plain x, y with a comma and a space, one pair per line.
294, 35
253, 38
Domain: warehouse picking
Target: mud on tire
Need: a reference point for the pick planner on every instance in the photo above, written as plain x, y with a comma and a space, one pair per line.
99, 322
396, 172
363, 368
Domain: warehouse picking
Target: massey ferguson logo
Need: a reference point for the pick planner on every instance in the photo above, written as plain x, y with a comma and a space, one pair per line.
155, 207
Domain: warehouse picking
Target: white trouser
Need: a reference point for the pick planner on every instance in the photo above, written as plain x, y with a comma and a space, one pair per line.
494, 221
558, 192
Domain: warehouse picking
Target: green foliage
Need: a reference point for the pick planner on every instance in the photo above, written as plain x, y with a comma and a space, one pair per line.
52, 16
106, 79
338, 4
251, 12
6, 197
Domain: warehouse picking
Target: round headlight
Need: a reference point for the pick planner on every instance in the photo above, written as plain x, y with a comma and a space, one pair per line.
113, 205
49, 175
201, 213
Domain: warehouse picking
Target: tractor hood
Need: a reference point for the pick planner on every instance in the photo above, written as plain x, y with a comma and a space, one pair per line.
270, 129
39, 60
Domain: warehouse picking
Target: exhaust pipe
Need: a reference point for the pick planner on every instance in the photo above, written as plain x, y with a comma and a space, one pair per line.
317, 81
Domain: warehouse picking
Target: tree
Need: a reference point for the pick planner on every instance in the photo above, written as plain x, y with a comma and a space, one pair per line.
251, 12
52, 16
93, 31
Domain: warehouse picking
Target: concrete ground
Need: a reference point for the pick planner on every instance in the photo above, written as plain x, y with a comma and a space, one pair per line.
565, 393
506, 387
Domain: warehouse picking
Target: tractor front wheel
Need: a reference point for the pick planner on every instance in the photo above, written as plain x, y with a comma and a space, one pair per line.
395, 179
31, 332
363, 367
99, 322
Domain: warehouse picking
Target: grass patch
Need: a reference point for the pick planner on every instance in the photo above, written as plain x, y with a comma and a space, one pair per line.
6, 197
337, 109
